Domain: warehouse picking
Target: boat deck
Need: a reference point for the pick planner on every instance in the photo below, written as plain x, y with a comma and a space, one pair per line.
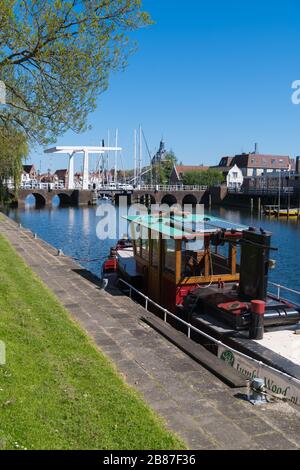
283, 342
127, 264
267, 350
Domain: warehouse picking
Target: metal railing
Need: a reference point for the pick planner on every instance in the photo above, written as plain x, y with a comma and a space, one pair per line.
264, 191
280, 288
191, 327
158, 187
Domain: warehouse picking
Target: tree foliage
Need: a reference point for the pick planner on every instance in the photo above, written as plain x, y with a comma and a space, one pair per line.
161, 172
56, 57
210, 177
13, 150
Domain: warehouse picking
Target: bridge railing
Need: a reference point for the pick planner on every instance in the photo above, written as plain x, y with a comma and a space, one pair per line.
38, 185
262, 191
171, 188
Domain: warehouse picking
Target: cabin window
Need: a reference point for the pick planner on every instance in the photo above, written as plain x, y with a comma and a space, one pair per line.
144, 243
155, 253
192, 259
170, 255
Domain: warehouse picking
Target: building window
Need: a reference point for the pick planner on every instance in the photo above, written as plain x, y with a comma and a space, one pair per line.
252, 160
235, 175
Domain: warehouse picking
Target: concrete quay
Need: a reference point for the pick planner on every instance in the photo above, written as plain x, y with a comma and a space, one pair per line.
196, 405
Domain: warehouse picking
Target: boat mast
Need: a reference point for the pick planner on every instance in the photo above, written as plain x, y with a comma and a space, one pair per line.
116, 156
107, 157
135, 154
140, 155
279, 190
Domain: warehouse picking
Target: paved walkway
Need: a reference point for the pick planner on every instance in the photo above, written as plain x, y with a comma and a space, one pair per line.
195, 404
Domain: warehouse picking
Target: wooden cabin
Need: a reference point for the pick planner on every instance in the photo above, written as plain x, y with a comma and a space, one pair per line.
175, 253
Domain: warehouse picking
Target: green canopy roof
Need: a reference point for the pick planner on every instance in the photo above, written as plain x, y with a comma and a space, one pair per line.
184, 225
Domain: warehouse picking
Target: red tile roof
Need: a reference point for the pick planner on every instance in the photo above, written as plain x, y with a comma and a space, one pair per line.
254, 160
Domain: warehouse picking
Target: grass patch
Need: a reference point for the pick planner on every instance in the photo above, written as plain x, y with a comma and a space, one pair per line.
57, 391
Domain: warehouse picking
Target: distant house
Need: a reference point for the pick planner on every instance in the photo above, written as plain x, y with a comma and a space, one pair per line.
234, 178
48, 178
179, 171
61, 176
255, 164
28, 174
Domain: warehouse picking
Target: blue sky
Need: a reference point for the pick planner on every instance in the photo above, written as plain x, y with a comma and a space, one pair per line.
211, 77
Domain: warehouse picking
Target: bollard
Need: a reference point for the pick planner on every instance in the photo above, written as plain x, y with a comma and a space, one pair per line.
59, 253
35, 236
257, 395
256, 330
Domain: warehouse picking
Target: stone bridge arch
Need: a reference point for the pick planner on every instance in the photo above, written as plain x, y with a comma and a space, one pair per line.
41, 199
64, 199
147, 200
189, 199
169, 199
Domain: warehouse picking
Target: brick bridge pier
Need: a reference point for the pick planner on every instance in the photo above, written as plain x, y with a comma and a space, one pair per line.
69, 197
192, 197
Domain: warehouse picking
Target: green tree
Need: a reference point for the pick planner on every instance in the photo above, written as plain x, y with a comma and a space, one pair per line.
161, 172
211, 177
13, 150
56, 57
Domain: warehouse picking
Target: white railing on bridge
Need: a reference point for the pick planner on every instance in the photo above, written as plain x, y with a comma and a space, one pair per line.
37, 185
167, 188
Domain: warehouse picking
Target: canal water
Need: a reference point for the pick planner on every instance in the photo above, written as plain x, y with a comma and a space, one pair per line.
73, 230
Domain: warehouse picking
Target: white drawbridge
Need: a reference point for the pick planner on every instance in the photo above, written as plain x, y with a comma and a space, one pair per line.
86, 151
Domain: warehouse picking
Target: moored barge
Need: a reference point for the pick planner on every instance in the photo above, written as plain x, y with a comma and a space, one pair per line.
213, 274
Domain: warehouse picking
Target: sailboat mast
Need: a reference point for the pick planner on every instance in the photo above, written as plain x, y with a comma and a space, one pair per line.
107, 157
135, 154
140, 155
116, 156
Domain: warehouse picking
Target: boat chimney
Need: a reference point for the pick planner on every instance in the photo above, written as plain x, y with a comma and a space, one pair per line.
254, 276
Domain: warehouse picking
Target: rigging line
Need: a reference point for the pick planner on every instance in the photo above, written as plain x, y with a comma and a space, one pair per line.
149, 153
123, 168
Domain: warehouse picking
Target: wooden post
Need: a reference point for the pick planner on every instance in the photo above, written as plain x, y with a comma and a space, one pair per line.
207, 257
251, 204
232, 257
259, 205
178, 261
